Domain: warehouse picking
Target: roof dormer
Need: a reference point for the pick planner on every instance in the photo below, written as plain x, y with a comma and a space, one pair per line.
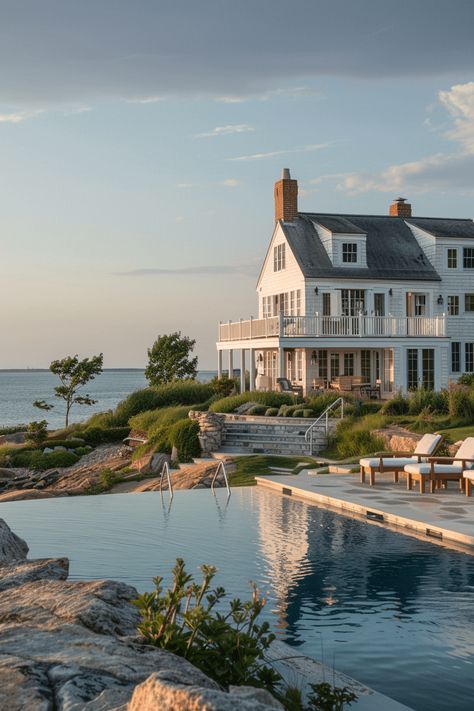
344, 243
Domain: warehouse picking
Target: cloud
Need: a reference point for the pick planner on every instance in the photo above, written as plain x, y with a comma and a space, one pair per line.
292, 92
18, 117
231, 183
441, 171
226, 130
272, 154
103, 49
216, 269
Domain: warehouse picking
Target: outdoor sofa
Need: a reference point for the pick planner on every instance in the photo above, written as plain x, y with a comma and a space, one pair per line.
439, 470
396, 461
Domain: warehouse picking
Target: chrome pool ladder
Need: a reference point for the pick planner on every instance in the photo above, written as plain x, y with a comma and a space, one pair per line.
220, 468
166, 470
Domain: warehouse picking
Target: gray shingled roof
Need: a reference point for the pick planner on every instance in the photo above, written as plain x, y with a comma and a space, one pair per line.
392, 251
442, 227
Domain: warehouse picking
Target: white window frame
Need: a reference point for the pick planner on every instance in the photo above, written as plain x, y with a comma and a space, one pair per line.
279, 257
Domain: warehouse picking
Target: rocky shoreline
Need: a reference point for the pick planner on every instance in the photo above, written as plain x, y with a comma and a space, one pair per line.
74, 646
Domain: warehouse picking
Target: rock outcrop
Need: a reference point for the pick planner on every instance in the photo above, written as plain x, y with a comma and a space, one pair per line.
73, 646
211, 427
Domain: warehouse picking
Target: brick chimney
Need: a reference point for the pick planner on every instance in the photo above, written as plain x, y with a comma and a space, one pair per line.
286, 197
400, 208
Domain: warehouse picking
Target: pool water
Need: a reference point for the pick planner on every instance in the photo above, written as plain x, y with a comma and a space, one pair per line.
393, 611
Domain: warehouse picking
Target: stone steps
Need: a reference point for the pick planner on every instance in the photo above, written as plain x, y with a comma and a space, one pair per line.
270, 436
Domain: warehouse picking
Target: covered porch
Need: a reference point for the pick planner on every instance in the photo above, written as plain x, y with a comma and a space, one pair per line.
353, 369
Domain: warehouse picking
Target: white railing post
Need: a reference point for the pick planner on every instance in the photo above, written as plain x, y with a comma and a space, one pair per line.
281, 327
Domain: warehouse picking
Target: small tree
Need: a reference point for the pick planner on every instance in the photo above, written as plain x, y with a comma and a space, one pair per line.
169, 359
73, 374
37, 433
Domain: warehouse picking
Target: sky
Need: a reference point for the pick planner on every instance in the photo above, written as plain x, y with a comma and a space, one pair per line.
140, 141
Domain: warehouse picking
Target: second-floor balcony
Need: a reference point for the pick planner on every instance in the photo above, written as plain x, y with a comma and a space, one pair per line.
334, 327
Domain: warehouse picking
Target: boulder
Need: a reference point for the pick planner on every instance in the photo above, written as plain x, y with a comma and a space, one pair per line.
161, 692
12, 547
30, 570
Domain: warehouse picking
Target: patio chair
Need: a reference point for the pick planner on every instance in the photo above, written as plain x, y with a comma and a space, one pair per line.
287, 387
468, 477
396, 461
439, 470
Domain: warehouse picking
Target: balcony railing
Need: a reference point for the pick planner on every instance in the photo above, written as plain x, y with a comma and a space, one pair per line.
334, 327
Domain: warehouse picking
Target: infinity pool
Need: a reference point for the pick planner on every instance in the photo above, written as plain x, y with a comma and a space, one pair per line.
393, 611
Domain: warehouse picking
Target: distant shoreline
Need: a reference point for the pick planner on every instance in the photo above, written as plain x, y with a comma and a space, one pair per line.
105, 370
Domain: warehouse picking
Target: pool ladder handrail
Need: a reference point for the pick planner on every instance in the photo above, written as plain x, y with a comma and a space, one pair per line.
323, 416
165, 469
220, 467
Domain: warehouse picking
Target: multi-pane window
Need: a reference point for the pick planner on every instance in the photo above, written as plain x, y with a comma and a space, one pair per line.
412, 368
388, 370
468, 302
468, 258
349, 252
292, 303
469, 356
326, 304
365, 365
323, 364
453, 305
455, 357
379, 304
348, 364
298, 302
335, 365
352, 301
267, 306
420, 304
279, 257
452, 258
428, 368
299, 364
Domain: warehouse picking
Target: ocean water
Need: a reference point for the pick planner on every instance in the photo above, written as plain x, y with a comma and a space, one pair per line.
393, 611
20, 388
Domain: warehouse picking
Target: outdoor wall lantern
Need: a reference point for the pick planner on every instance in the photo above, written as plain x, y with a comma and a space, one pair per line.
260, 357
440, 300
314, 358
390, 292
316, 290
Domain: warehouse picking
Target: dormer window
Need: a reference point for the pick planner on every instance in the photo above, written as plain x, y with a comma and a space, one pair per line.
279, 257
349, 252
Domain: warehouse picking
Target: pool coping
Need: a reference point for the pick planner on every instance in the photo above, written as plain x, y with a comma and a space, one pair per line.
428, 530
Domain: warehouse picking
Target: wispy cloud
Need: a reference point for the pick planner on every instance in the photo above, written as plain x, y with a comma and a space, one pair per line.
441, 171
226, 130
231, 183
292, 92
272, 154
19, 116
250, 270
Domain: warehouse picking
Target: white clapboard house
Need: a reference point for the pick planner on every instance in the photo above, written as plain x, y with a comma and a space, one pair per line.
380, 299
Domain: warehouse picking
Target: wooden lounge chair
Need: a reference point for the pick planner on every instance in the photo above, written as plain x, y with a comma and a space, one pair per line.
396, 461
468, 478
439, 470
287, 387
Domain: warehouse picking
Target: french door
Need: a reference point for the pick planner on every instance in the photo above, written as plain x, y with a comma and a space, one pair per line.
420, 368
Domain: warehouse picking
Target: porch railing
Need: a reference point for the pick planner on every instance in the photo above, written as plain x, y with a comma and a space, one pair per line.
334, 326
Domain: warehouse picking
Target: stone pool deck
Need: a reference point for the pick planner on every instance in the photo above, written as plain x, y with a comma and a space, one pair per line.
446, 516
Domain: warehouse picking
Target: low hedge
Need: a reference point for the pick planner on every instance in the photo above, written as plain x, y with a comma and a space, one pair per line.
100, 435
36, 460
257, 410
271, 412
270, 399
68, 443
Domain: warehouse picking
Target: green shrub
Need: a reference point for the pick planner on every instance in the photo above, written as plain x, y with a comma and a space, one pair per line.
257, 410
466, 379
297, 413
461, 403
224, 386
13, 430
309, 413
271, 412
420, 399
398, 405
101, 419
321, 402
270, 399
371, 406
187, 392
185, 620
100, 435
150, 420
184, 436
161, 440
81, 451
36, 460
37, 432
68, 443
354, 436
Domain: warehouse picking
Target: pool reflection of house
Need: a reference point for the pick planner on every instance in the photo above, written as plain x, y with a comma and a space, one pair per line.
377, 299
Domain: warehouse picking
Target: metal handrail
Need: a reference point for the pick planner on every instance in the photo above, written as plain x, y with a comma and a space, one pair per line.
165, 468
325, 414
220, 467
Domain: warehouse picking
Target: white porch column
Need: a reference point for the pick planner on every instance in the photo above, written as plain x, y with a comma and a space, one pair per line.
281, 363
231, 363
252, 368
242, 370
219, 364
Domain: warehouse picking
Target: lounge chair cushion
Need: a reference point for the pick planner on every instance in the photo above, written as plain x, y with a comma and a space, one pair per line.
438, 469
466, 451
427, 444
468, 474
387, 462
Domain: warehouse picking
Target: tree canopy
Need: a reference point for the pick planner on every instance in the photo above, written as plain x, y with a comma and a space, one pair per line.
169, 359
73, 374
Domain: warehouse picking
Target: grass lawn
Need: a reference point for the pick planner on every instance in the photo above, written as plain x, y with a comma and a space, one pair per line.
454, 434
247, 468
